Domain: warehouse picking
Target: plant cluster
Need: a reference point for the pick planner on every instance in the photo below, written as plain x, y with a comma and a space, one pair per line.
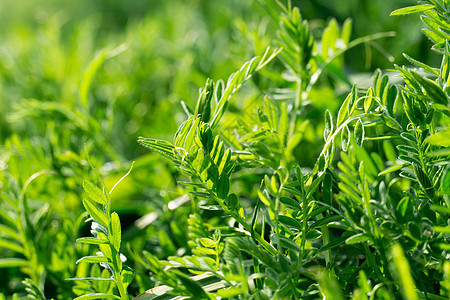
350, 226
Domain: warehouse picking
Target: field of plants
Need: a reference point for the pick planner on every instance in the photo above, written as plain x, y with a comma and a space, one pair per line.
239, 149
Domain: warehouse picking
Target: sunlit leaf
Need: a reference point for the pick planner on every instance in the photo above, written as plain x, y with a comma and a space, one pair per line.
94, 193
412, 9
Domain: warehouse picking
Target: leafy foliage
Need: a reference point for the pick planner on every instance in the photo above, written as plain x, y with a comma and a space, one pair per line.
361, 200
107, 233
286, 180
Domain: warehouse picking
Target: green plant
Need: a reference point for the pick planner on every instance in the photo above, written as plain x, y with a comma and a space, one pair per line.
300, 236
107, 233
294, 178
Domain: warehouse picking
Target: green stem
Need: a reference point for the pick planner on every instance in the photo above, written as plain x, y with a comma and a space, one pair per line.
277, 224
372, 262
326, 240
297, 103
120, 287
382, 252
304, 224
115, 254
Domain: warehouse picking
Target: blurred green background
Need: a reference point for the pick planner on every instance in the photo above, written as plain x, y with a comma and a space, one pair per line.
81, 80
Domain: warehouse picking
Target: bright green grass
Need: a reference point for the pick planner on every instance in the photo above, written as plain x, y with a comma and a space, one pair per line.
285, 179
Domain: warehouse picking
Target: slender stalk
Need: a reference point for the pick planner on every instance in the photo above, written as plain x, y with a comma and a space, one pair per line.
297, 104
373, 263
304, 224
120, 287
326, 240
277, 223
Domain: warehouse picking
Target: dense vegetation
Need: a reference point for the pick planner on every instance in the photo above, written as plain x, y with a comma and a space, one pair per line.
294, 176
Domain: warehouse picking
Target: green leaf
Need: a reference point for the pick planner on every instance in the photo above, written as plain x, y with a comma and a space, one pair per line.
236, 79
211, 207
205, 251
191, 285
88, 76
445, 182
203, 107
9, 232
224, 161
327, 186
272, 112
7, 244
312, 235
345, 138
410, 159
411, 9
127, 277
426, 67
440, 139
97, 296
164, 148
343, 111
116, 232
329, 126
33, 290
333, 244
189, 138
322, 163
291, 203
183, 130
92, 259
271, 185
208, 243
443, 229
346, 31
290, 244
229, 292
92, 241
90, 279
403, 272
423, 178
233, 201
249, 246
441, 209
265, 199
284, 120
391, 122
12, 262
359, 133
95, 212
404, 208
314, 186
357, 238
432, 89
391, 169
290, 222
223, 186
94, 193
408, 150
353, 98
325, 221
369, 100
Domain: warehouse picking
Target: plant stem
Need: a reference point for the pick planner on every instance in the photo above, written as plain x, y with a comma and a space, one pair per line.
326, 240
372, 262
120, 287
